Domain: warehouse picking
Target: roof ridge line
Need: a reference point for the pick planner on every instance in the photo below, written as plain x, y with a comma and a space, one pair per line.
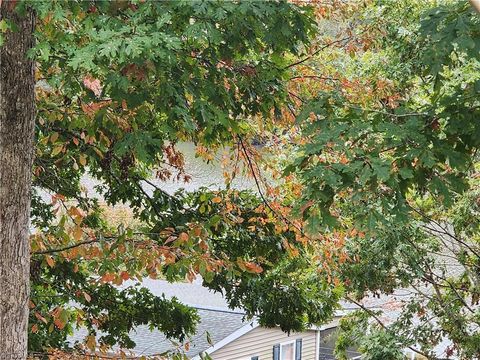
211, 308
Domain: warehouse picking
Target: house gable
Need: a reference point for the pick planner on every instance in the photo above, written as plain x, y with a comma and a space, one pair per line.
260, 341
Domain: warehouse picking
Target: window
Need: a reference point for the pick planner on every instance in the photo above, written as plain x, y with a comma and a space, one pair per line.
291, 350
328, 338
287, 351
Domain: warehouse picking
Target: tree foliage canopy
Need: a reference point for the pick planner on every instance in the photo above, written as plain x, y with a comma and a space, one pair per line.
119, 85
389, 161
368, 182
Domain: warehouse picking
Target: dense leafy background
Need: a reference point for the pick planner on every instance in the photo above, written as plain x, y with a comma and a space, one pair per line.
389, 159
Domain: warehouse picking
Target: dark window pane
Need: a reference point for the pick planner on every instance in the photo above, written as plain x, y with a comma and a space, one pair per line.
328, 338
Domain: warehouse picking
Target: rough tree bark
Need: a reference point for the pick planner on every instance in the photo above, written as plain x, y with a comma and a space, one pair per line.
17, 113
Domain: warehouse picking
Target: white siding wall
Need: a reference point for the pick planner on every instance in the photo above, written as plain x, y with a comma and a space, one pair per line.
259, 342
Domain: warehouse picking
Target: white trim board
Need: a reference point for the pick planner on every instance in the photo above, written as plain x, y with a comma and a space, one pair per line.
292, 342
233, 336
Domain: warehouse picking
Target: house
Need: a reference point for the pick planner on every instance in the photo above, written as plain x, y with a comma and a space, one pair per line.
225, 334
255, 343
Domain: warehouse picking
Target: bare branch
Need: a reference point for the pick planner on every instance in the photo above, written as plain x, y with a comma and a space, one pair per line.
380, 322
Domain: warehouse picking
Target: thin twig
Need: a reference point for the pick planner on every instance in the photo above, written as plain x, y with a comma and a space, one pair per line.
262, 196
318, 51
380, 322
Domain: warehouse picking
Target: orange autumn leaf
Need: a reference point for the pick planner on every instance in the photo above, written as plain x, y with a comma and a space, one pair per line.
183, 237
93, 84
107, 277
59, 323
54, 137
50, 261
82, 159
40, 317
77, 233
252, 267
124, 275
203, 245
77, 213
197, 231
90, 342
91, 109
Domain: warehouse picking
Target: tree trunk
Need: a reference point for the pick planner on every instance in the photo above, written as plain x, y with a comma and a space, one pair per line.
475, 4
17, 119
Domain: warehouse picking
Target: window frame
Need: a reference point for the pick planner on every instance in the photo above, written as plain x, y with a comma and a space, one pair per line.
292, 342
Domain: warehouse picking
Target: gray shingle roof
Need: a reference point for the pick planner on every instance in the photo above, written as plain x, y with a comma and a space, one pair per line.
219, 325
193, 294
215, 318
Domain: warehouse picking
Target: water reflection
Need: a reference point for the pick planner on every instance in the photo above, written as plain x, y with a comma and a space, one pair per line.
202, 174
